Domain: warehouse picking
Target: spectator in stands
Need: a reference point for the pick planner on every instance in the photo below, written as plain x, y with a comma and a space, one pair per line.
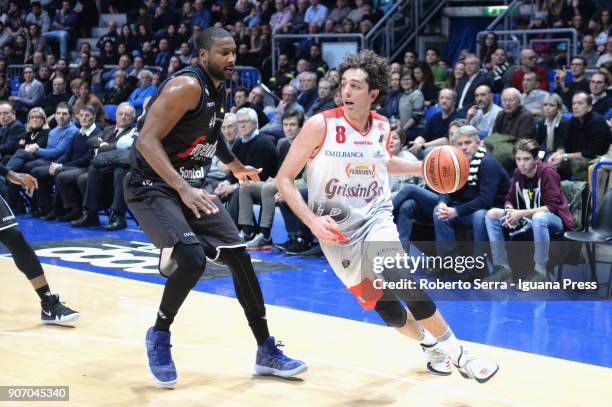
219, 172
579, 83
588, 136
410, 108
535, 195
11, 133
370, 12
108, 75
456, 76
486, 188
589, 51
31, 93
162, 57
577, 23
281, 17
325, 98
606, 56
111, 36
432, 57
86, 97
62, 27
514, 120
299, 236
317, 64
77, 157
164, 16
532, 97
201, 15
316, 13
6, 37
93, 75
298, 24
468, 84
15, 17
38, 16
126, 37
435, 132
559, 14
390, 104
184, 54
120, 92
58, 95
500, 75
483, 113
513, 123
241, 99
5, 92
602, 98
528, 64
410, 59
75, 85
35, 42
552, 128
425, 82
108, 54
105, 174
58, 142
602, 27
144, 90
287, 103
365, 26
252, 148
340, 12
308, 89
43, 75
488, 46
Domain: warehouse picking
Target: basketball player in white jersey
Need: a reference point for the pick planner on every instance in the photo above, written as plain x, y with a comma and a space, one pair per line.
348, 170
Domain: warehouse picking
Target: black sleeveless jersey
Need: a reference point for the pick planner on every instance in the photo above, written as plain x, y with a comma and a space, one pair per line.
195, 139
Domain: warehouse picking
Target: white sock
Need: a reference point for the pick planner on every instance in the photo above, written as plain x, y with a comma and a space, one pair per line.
427, 338
451, 344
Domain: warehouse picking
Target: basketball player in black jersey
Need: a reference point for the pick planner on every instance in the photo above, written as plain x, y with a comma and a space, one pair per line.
52, 310
165, 189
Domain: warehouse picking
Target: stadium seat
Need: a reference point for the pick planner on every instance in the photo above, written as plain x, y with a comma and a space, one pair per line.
110, 111
497, 99
430, 112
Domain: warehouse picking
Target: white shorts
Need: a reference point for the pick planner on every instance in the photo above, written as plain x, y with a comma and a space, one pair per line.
353, 262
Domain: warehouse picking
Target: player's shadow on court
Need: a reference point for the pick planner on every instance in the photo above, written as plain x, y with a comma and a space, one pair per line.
274, 378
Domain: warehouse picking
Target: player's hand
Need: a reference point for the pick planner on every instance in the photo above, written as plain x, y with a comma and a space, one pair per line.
326, 230
28, 182
247, 173
198, 200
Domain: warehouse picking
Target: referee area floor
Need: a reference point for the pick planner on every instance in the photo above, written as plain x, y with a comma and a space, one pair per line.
550, 353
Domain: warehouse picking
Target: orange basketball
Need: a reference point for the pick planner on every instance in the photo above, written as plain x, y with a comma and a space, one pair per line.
446, 169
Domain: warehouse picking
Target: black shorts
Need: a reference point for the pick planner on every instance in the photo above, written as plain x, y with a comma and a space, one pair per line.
7, 218
167, 221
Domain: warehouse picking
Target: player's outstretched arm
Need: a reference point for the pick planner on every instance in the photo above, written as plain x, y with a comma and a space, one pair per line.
28, 182
178, 96
306, 143
400, 166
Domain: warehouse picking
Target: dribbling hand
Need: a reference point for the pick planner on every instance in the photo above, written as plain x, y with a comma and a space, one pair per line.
198, 200
327, 231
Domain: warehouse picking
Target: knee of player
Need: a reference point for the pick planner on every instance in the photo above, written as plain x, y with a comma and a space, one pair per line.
392, 312
422, 308
190, 257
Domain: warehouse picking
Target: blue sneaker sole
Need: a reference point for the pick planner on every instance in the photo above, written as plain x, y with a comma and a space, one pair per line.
265, 370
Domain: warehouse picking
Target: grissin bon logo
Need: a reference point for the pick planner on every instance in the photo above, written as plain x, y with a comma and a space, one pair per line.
360, 170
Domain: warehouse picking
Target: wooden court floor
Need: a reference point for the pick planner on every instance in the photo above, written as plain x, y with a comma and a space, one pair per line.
102, 359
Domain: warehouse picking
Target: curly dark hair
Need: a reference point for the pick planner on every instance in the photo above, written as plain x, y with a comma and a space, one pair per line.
376, 68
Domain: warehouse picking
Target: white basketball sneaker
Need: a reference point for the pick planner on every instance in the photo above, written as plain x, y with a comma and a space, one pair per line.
473, 367
438, 360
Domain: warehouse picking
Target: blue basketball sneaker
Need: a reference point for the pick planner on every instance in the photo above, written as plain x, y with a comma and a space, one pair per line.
271, 360
159, 357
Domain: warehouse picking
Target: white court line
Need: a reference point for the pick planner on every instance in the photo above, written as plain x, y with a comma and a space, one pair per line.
216, 348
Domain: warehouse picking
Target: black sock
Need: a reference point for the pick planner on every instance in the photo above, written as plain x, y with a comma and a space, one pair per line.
248, 291
163, 321
44, 293
266, 232
248, 230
